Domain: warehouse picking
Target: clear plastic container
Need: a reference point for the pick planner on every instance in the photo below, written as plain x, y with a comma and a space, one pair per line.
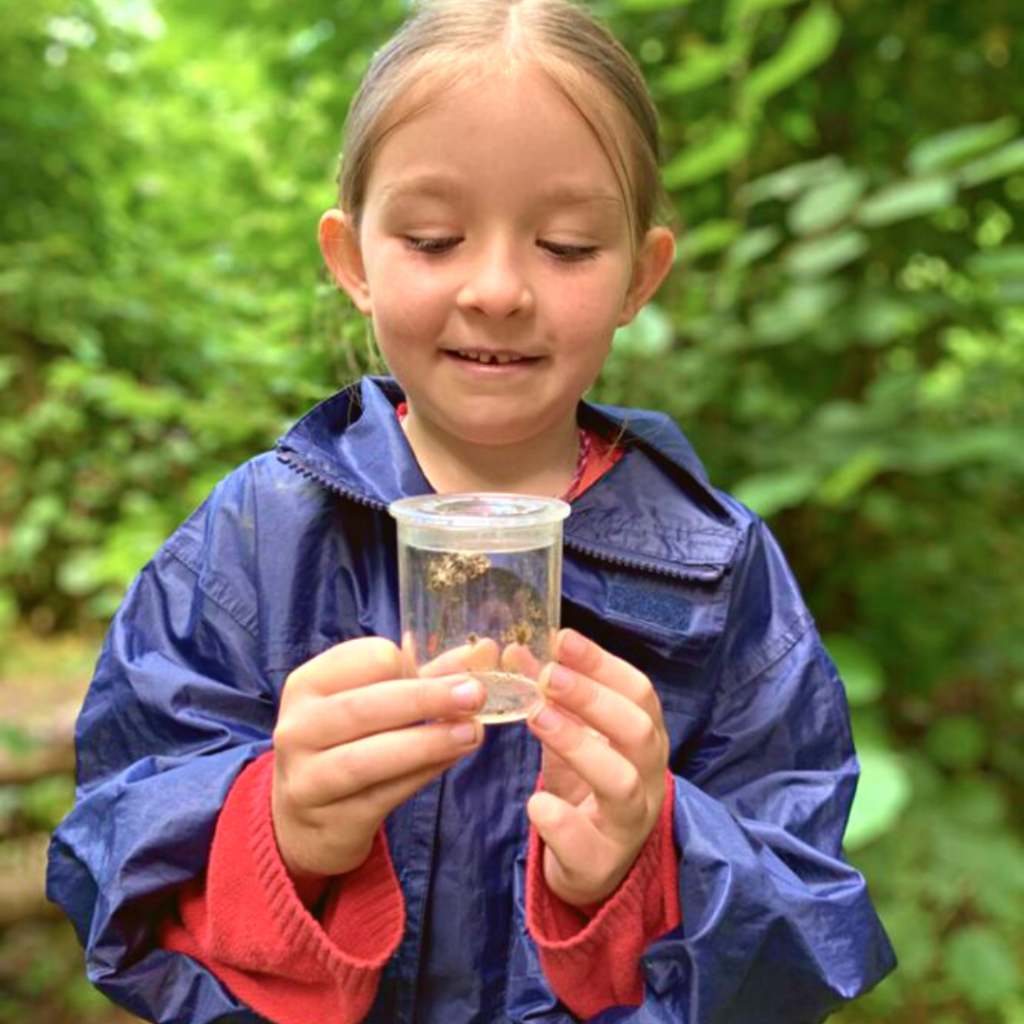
480, 585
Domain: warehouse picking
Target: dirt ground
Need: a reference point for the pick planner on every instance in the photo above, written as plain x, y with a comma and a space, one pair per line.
44, 676
42, 978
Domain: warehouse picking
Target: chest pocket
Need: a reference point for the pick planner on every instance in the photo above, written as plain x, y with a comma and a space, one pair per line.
666, 626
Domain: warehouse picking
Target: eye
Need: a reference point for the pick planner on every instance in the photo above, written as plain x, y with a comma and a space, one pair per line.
431, 246
569, 253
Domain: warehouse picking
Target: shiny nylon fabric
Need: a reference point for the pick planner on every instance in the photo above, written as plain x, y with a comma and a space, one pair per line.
295, 552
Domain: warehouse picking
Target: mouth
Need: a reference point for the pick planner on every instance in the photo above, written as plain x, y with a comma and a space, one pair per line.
485, 358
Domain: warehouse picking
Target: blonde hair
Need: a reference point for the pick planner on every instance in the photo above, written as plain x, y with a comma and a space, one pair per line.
446, 41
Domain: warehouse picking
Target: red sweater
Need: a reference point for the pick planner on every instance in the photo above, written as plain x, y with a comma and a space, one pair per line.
244, 921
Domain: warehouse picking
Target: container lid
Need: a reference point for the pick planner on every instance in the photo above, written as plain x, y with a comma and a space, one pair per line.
480, 511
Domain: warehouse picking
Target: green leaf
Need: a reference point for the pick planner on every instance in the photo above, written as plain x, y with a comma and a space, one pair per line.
952, 148
710, 236
911, 930
821, 256
752, 246
1004, 262
15, 741
741, 10
704, 160
851, 477
827, 204
47, 801
906, 199
803, 306
877, 319
768, 493
977, 802
809, 44
988, 445
861, 672
653, 5
700, 66
9, 367
81, 573
883, 792
788, 182
650, 333
980, 966
8, 609
1000, 164
957, 742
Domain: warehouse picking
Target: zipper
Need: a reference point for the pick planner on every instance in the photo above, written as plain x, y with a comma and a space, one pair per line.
712, 571
294, 461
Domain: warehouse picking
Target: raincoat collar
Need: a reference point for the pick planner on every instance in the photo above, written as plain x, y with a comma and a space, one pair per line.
353, 443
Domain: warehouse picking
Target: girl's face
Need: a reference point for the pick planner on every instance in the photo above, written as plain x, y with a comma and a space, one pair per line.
494, 257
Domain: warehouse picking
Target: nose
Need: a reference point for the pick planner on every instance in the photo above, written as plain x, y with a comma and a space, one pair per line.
497, 283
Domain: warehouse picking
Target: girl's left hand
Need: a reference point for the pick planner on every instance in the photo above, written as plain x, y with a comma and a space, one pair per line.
605, 754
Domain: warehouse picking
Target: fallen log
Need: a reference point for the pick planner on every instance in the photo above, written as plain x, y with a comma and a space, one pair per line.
23, 879
40, 753
37, 764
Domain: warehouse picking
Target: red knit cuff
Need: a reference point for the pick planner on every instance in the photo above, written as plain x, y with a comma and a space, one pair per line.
245, 922
591, 958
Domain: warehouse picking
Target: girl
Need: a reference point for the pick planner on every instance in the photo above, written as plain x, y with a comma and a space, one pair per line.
272, 821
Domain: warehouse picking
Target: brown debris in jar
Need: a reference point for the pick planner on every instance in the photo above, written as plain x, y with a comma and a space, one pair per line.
454, 569
519, 633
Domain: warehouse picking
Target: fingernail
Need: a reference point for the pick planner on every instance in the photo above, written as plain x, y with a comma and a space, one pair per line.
464, 733
466, 695
560, 680
572, 645
547, 719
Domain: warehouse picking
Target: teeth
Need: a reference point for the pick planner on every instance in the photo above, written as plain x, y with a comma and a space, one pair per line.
487, 358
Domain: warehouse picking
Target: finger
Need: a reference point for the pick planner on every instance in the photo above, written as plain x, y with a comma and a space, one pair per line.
346, 666
378, 801
628, 726
345, 771
469, 657
561, 780
484, 655
335, 832
518, 658
576, 652
409, 655
574, 841
617, 784
353, 714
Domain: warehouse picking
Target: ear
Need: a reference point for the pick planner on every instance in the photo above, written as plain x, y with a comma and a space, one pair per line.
653, 262
339, 243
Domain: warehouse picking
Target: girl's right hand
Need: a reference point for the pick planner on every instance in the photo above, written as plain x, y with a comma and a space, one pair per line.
354, 739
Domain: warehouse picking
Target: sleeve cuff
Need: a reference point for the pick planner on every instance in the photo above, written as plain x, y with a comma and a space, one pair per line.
244, 919
591, 957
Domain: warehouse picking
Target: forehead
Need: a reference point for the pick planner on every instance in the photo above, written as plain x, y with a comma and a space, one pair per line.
442, 187
514, 129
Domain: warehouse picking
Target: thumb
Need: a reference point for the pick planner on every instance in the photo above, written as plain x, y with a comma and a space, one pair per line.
566, 831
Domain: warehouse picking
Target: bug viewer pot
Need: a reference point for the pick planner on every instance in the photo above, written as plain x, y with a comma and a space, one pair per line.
480, 585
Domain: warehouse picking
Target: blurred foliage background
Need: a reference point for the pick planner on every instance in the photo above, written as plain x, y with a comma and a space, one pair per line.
843, 342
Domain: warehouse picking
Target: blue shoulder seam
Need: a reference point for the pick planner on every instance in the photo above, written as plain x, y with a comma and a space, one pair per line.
780, 646
209, 582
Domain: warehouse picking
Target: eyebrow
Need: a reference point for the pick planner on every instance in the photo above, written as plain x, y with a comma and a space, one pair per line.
426, 187
436, 187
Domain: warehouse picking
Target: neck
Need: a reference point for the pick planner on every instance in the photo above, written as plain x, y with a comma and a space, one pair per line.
542, 465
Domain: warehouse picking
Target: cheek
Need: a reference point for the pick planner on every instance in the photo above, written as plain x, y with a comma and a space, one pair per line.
592, 314
405, 307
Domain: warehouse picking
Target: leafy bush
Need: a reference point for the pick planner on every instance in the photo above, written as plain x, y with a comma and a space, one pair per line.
843, 341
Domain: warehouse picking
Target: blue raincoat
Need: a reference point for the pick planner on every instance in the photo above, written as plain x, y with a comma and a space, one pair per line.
295, 552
